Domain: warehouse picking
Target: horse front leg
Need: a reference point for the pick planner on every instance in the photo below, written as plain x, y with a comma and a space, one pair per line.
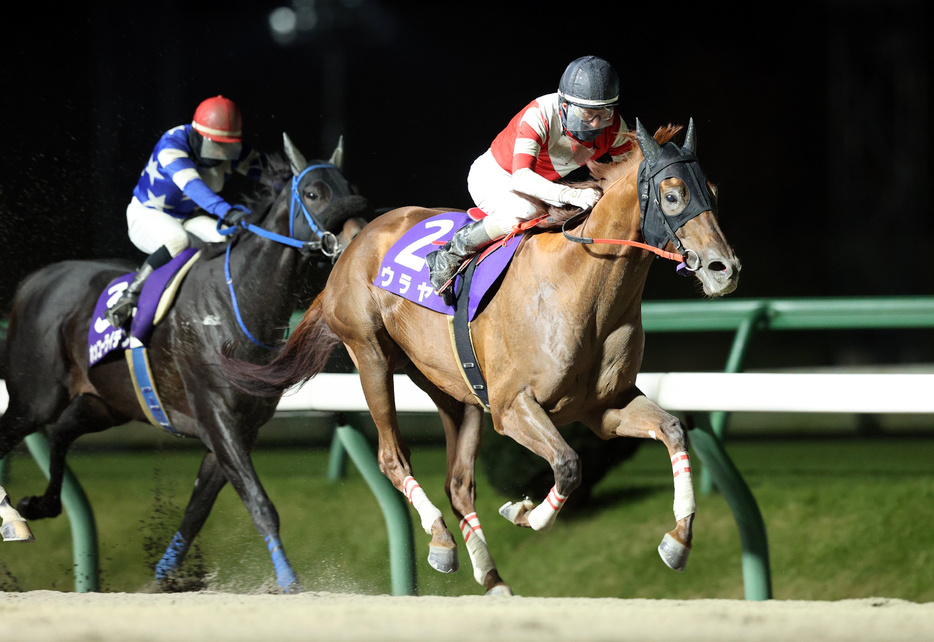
528, 424
231, 442
641, 417
208, 485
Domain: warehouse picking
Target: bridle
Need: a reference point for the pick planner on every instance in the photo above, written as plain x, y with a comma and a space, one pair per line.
672, 256
326, 242
661, 162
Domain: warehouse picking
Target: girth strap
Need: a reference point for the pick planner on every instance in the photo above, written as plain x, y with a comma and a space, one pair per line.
462, 342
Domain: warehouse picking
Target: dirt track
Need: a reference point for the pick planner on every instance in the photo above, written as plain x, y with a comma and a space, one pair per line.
39, 616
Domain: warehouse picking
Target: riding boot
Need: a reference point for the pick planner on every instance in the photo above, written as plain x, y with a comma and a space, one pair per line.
443, 264
122, 309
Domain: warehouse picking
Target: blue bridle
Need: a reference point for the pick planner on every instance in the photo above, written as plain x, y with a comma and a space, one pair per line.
326, 242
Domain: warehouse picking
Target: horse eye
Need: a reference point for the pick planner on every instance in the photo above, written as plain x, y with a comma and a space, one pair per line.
671, 198
311, 196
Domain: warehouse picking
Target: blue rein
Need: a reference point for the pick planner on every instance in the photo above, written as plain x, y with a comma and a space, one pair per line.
326, 242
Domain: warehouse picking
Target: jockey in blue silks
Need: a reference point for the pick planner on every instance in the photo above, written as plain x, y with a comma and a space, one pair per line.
177, 192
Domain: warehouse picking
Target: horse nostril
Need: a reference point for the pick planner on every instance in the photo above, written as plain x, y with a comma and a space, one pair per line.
718, 266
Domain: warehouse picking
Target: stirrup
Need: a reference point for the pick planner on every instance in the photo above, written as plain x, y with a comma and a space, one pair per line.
446, 289
121, 312
446, 292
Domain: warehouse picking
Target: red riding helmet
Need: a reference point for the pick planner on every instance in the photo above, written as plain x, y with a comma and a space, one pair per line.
218, 119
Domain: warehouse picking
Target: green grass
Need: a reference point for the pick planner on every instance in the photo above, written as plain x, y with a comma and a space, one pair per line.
846, 518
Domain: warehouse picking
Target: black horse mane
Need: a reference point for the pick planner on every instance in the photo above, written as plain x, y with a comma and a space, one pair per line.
276, 174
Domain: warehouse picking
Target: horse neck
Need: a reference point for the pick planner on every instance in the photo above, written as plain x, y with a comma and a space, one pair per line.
610, 277
616, 215
268, 277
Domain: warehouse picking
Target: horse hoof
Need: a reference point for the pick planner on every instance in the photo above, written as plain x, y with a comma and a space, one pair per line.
514, 510
31, 508
673, 553
16, 531
443, 560
500, 590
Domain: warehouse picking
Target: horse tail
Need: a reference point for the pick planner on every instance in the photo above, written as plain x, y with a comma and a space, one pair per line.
304, 354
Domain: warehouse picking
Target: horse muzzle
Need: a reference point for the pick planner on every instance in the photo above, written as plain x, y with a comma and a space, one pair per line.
719, 275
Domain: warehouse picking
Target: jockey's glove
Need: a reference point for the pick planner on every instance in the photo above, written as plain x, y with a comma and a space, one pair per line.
584, 198
235, 214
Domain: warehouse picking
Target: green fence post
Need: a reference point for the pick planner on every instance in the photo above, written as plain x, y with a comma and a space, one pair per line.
83, 529
757, 578
734, 363
395, 508
337, 460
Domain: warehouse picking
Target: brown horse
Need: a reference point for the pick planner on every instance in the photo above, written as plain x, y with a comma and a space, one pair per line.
561, 341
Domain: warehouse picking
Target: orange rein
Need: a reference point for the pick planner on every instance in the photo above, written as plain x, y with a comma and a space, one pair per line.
522, 227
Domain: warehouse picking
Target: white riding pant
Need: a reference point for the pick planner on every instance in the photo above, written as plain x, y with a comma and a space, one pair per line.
149, 229
491, 187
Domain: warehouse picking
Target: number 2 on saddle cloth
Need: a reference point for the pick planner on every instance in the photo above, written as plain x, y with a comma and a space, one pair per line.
404, 272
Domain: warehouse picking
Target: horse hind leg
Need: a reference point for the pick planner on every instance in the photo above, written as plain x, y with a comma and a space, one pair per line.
463, 430
462, 490
643, 418
84, 414
208, 485
13, 528
442, 550
393, 454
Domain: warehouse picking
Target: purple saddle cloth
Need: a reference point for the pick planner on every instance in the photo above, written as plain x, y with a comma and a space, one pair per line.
405, 272
104, 338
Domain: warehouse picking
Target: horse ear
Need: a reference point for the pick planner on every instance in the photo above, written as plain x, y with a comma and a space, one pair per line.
690, 139
296, 159
337, 158
650, 147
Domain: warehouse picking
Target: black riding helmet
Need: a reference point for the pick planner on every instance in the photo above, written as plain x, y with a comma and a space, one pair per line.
588, 84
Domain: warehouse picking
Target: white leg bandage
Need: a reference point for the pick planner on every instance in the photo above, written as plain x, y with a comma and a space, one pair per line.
7, 512
417, 497
480, 556
543, 515
684, 486
12, 526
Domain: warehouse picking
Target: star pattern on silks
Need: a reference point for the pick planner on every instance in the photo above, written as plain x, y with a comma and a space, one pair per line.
152, 169
157, 202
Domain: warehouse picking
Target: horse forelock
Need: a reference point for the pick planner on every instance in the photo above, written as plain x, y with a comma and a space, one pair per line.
276, 174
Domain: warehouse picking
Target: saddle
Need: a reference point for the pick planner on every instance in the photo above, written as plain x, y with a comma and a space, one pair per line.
157, 296
404, 272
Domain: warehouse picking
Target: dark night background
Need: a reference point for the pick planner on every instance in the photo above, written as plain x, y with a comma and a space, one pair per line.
813, 118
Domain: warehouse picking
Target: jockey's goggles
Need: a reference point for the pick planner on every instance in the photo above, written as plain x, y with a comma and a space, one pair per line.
219, 151
581, 119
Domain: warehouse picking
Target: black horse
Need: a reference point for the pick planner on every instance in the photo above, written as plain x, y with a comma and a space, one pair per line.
240, 293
